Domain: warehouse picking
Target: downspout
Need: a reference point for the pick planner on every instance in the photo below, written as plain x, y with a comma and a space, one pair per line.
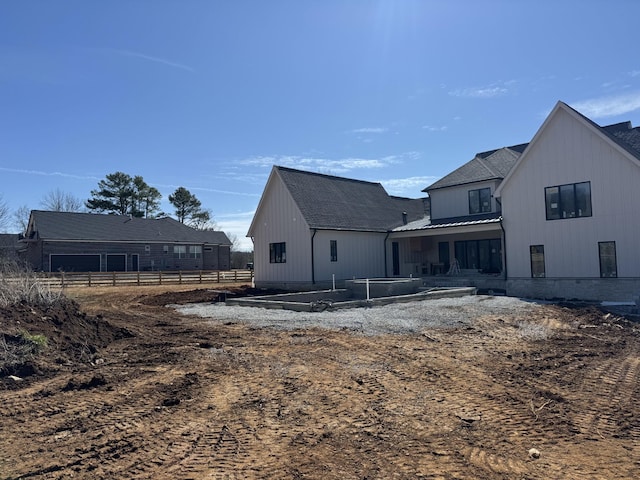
504, 253
385, 254
504, 240
313, 267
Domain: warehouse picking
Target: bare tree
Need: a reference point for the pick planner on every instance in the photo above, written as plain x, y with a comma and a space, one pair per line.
4, 214
59, 201
21, 218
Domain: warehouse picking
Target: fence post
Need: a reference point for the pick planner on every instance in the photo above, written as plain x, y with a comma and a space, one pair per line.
160, 277
138, 275
179, 277
62, 279
114, 279
218, 276
200, 276
235, 276
89, 278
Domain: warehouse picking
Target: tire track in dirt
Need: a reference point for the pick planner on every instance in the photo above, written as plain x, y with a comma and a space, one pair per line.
613, 386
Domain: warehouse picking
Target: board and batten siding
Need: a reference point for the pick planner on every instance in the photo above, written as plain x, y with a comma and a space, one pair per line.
454, 201
279, 220
360, 255
568, 151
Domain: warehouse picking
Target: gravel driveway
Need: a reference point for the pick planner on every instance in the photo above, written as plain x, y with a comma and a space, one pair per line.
401, 318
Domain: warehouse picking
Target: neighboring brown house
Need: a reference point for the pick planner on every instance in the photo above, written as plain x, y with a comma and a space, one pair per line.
82, 242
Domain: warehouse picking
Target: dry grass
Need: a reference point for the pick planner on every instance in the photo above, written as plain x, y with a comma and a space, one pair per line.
18, 284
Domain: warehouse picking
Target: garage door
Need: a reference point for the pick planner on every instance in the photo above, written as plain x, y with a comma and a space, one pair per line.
75, 263
116, 262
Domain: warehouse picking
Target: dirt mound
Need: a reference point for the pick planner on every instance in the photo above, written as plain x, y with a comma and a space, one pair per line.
36, 339
203, 295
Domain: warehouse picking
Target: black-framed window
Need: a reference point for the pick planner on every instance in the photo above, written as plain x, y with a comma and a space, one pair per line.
179, 251
536, 253
333, 247
278, 252
568, 201
483, 255
608, 262
479, 201
195, 251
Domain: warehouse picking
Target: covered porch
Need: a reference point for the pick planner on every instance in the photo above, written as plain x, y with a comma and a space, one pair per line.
466, 253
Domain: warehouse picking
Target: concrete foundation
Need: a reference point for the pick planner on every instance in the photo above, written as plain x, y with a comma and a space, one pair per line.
336, 299
382, 287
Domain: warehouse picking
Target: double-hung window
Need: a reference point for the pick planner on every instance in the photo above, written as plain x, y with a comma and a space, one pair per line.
195, 251
479, 201
568, 201
179, 251
278, 252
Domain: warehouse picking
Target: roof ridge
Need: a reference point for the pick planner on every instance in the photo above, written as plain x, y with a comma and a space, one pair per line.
326, 175
484, 164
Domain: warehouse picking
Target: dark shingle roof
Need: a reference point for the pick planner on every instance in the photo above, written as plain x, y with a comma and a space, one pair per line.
330, 202
626, 136
494, 164
9, 240
113, 228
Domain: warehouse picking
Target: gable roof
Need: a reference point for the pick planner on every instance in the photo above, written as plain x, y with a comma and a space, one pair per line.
338, 203
622, 135
490, 165
70, 226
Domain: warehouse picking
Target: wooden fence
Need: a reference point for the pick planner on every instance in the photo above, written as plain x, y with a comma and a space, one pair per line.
179, 277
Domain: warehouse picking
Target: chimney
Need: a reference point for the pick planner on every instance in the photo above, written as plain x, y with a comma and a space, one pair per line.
404, 218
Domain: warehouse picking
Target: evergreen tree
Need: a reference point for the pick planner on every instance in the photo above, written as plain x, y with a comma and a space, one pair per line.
120, 193
188, 209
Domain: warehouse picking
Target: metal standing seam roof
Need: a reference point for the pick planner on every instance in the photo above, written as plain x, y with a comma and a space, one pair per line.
71, 226
426, 224
338, 203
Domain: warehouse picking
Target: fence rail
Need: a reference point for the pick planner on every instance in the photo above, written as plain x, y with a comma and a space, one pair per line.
178, 277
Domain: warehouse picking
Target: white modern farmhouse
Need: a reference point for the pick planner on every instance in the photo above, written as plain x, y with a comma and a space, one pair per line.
310, 229
558, 217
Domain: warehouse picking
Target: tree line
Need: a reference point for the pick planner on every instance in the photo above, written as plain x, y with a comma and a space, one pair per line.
123, 194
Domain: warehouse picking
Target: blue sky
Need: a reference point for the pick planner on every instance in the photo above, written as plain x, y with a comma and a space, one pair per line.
209, 95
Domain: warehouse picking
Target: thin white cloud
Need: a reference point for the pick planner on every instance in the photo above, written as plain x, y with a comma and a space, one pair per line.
610, 106
431, 128
237, 224
209, 190
150, 58
410, 186
42, 173
370, 130
489, 91
634, 73
327, 165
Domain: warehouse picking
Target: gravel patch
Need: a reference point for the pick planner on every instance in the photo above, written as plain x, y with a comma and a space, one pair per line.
399, 318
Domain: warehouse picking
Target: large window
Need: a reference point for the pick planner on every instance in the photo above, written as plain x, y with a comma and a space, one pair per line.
479, 201
568, 201
278, 252
607, 252
536, 253
179, 251
482, 255
333, 246
195, 251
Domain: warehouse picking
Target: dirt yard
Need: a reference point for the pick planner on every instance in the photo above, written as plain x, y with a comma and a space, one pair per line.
127, 388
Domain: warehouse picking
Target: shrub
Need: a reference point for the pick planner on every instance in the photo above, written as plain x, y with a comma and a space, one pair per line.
20, 284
